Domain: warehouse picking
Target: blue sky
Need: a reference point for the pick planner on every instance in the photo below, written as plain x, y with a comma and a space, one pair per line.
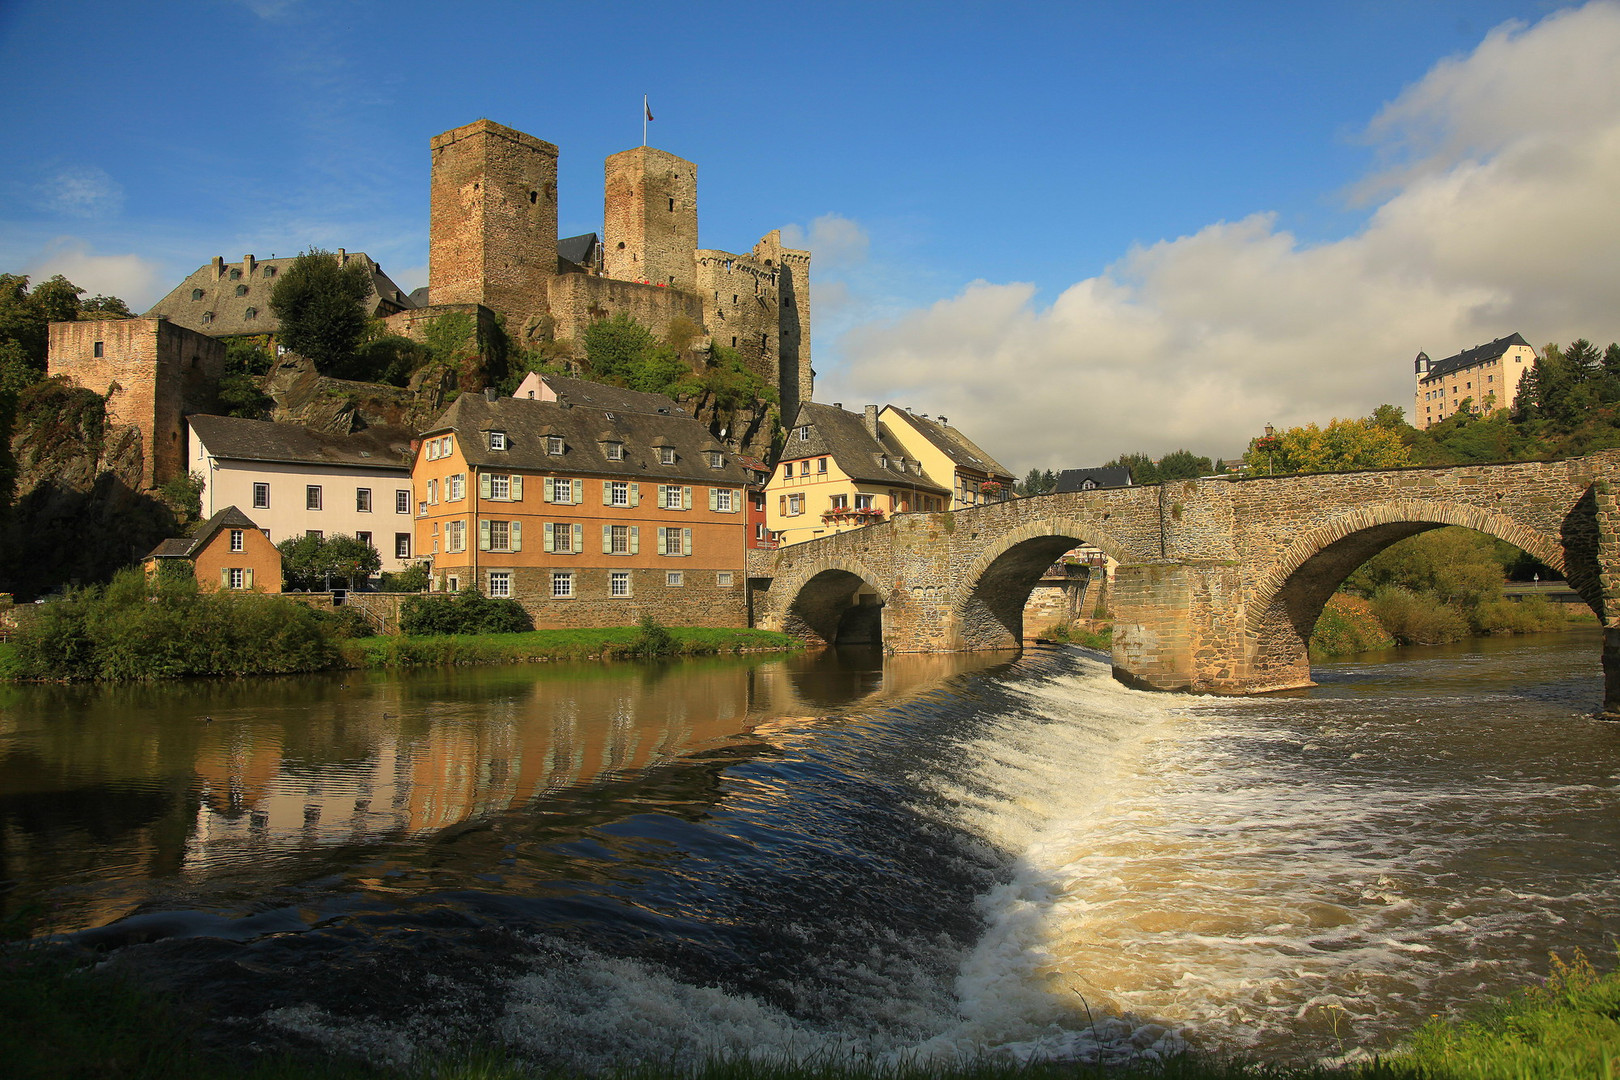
1075, 228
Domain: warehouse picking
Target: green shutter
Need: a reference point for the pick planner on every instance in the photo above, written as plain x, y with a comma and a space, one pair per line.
579, 539
607, 539
517, 535
517, 488
247, 578
483, 485
550, 494
635, 540
663, 500
686, 498
659, 532
635, 494
550, 537
483, 535
224, 579
714, 499
607, 493
579, 491
686, 541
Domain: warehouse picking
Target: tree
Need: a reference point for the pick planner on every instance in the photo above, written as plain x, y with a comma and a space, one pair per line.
1144, 470
311, 562
616, 348
1183, 465
319, 303
1343, 444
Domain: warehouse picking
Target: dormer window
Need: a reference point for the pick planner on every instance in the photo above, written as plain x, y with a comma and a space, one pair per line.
251, 313
666, 455
717, 460
804, 432
615, 451
883, 461
497, 440
554, 444
207, 317
196, 294
241, 290
236, 273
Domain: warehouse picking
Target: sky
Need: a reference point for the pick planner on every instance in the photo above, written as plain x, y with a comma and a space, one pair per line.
1075, 229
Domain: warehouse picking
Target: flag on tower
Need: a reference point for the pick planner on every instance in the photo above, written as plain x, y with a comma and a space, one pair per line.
645, 107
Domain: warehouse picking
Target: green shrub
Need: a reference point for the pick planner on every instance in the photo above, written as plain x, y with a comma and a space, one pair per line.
467, 612
652, 639
1417, 619
1348, 625
1532, 615
1102, 640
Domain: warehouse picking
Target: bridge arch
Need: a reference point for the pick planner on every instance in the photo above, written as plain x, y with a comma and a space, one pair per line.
1289, 595
996, 585
834, 599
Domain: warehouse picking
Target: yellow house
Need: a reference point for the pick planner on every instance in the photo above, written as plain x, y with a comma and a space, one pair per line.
948, 457
1487, 377
839, 471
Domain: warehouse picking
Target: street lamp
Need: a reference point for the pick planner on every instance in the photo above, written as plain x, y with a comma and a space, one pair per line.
1269, 444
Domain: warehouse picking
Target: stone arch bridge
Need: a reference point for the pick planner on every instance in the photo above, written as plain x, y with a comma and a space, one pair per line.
1219, 581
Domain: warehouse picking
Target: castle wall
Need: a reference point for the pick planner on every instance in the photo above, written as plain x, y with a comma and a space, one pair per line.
649, 217
795, 379
577, 300
741, 308
152, 373
493, 235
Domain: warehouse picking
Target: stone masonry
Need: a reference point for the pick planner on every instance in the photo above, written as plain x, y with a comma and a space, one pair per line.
1219, 582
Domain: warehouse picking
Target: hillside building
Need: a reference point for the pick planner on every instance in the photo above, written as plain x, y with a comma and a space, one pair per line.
1486, 377
223, 300
228, 551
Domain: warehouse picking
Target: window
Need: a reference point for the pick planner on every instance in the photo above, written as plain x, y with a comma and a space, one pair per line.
402, 545
500, 487
619, 493
554, 444
804, 432
207, 317
452, 584
500, 584
500, 536
562, 537
312, 497
497, 440
236, 539
723, 579
674, 497
674, 541
619, 540
251, 313
562, 584
241, 290
261, 496
196, 294
723, 500
619, 583
237, 578
840, 502
863, 502
269, 271
821, 465
666, 454
717, 460
362, 500
458, 488
402, 501
674, 578
795, 505
455, 536
316, 533
364, 538
615, 451
433, 492
96, 351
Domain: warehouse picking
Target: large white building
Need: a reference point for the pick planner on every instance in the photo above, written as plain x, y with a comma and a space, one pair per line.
293, 480
1486, 376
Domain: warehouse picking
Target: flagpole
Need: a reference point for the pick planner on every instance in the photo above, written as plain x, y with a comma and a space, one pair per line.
645, 109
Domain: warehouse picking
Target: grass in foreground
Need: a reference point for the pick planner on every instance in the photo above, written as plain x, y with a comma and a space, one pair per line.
619, 642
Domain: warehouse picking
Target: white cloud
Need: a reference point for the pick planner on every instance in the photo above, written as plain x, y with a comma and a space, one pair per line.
835, 242
137, 281
81, 191
1498, 215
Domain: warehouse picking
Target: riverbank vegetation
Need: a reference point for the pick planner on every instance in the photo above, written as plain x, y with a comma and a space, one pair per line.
649, 640
62, 1019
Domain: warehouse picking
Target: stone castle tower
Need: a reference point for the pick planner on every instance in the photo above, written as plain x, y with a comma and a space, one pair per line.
493, 242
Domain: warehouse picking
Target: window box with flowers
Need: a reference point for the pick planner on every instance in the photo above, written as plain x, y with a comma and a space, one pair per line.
859, 515
990, 489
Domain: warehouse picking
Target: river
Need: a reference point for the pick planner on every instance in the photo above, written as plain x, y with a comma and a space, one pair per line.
835, 853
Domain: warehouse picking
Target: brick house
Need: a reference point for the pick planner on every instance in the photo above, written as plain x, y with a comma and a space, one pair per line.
228, 551
587, 515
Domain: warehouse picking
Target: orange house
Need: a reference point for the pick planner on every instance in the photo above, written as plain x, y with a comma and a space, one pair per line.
228, 551
587, 515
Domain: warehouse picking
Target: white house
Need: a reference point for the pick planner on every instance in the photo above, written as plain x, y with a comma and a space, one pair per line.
293, 480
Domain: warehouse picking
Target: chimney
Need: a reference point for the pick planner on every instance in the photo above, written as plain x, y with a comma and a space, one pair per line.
247, 266
490, 393
838, 404
871, 421
343, 257
219, 267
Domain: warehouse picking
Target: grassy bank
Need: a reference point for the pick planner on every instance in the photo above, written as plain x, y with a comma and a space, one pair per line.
611, 643
60, 1019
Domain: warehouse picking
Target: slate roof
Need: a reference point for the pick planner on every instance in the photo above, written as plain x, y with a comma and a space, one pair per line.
611, 398
229, 311
1103, 476
528, 424
1439, 369
962, 451
236, 439
578, 249
843, 437
184, 547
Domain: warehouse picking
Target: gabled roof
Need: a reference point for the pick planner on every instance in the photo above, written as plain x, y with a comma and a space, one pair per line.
236, 439
184, 547
215, 292
597, 395
528, 424
578, 249
843, 436
1439, 369
962, 451
1103, 476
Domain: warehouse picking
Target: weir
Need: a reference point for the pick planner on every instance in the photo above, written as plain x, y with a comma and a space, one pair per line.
1219, 581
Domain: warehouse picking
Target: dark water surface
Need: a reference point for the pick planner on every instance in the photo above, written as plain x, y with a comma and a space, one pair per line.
900, 856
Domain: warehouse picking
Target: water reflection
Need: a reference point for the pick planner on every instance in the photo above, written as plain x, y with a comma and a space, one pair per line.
106, 790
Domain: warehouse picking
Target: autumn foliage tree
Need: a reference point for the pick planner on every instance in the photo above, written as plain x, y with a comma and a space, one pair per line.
1343, 444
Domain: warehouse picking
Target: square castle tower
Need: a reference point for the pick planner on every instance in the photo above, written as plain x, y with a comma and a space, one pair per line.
493, 242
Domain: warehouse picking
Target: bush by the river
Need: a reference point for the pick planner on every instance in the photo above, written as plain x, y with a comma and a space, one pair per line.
164, 626
1348, 625
465, 612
